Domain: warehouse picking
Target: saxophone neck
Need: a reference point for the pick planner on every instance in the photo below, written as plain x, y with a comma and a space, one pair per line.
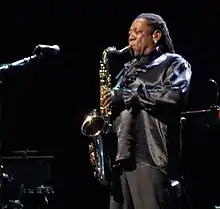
113, 50
106, 53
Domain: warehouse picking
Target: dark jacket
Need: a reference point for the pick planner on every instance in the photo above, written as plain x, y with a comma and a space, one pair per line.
149, 97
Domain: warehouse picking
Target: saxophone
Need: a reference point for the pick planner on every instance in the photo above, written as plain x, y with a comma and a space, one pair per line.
98, 124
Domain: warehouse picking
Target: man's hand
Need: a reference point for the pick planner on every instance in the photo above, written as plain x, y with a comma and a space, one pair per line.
91, 154
106, 98
92, 158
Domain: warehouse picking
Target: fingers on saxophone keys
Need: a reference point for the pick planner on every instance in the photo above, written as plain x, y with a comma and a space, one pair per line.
106, 95
92, 157
92, 161
109, 97
103, 101
106, 103
91, 148
109, 94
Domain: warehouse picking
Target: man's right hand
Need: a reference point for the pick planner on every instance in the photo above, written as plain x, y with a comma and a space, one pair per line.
106, 98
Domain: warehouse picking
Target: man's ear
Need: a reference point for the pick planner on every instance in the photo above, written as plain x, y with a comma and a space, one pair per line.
156, 36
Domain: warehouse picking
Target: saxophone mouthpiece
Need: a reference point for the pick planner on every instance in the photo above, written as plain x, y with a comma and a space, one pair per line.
121, 51
125, 49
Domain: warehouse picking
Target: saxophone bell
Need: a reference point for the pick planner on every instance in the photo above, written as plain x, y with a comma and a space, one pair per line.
93, 124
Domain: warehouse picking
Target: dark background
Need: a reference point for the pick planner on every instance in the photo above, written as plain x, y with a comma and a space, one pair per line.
44, 103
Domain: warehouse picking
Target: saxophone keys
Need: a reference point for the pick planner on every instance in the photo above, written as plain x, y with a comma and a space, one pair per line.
91, 154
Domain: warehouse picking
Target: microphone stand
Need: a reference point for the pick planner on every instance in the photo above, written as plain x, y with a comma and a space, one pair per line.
21, 62
37, 53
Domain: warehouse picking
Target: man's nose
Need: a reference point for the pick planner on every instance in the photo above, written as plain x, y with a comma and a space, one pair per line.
131, 38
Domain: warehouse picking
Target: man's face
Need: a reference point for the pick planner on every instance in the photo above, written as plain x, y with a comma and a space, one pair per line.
140, 37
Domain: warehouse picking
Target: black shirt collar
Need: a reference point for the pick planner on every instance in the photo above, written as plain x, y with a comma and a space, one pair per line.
148, 58
143, 60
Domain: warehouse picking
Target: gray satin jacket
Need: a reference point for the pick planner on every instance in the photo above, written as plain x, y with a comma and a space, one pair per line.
149, 97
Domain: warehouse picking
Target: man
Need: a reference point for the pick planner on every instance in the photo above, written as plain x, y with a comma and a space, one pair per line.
146, 105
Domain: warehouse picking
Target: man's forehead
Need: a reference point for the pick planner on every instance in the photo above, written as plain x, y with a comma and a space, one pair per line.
140, 22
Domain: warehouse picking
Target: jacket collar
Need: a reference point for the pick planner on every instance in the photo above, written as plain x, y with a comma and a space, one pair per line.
153, 58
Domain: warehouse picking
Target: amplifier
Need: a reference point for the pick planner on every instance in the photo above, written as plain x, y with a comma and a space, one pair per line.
31, 171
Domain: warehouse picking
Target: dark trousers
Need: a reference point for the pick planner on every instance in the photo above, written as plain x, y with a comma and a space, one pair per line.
142, 188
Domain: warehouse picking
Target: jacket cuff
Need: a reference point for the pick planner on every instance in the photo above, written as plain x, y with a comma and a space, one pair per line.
118, 103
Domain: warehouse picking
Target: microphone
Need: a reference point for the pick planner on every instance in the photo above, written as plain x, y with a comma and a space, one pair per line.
38, 52
21, 62
54, 49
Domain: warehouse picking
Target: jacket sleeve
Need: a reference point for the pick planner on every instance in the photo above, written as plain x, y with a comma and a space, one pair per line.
173, 91
166, 97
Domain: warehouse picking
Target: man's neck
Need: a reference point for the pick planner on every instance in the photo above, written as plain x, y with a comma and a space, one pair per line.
149, 50
148, 58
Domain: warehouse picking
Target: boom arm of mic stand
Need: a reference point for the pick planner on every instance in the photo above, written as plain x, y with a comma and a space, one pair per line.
26, 60
21, 62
